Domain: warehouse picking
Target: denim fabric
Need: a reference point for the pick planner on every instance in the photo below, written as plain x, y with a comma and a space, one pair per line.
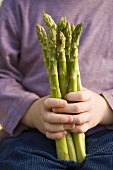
33, 151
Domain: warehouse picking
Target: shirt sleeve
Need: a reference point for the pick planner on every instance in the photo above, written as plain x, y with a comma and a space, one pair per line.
108, 95
14, 98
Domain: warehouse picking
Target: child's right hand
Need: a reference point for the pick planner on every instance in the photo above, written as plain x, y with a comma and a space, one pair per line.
41, 117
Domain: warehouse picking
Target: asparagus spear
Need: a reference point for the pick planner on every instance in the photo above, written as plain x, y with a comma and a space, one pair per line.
79, 139
62, 67
61, 24
61, 144
65, 27
63, 81
42, 37
54, 80
79, 86
68, 35
49, 22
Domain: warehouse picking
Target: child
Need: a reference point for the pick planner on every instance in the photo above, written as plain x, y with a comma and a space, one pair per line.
28, 115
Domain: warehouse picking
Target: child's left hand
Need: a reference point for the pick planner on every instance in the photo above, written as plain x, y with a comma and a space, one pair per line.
88, 110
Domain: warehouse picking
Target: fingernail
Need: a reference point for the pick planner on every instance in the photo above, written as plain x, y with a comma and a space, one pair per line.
64, 133
53, 109
64, 103
69, 126
70, 118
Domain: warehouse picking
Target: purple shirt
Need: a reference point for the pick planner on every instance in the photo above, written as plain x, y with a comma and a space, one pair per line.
23, 77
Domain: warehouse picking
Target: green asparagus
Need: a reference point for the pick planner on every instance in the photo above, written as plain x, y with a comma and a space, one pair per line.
60, 51
42, 37
74, 86
63, 81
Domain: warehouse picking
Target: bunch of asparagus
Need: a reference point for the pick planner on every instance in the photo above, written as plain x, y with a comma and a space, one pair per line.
60, 51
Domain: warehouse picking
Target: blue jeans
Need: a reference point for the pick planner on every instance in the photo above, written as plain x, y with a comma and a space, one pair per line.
31, 150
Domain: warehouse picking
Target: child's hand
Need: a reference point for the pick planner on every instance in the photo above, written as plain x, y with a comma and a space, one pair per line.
88, 110
41, 117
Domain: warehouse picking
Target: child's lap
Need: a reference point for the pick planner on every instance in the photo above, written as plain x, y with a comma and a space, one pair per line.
32, 151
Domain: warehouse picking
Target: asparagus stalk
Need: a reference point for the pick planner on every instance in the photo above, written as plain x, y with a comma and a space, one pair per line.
65, 27
79, 139
42, 37
68, 35
71, 147
63, 81
54, 80
75, 43
62, 67
61, 144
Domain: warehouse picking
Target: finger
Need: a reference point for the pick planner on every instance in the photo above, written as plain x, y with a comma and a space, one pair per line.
81, 118
54, 102
52, 117
57, 127
55, 136
80, 128
73, 108
82, 95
